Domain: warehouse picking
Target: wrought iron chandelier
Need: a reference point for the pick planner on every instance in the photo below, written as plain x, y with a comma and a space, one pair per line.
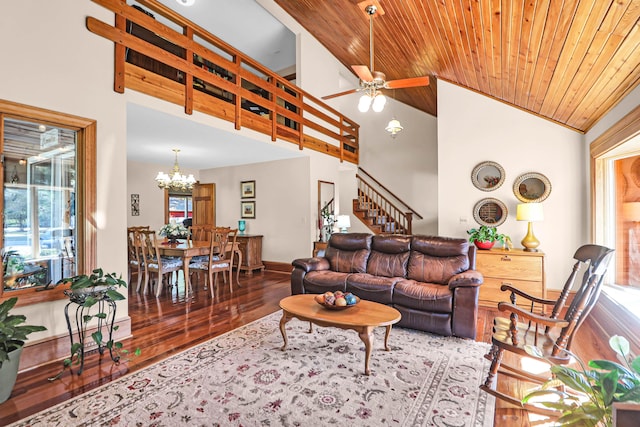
175, 180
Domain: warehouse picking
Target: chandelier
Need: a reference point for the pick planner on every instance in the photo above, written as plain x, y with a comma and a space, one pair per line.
175, 180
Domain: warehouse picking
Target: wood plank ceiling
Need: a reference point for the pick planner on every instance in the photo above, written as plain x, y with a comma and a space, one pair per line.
570, 61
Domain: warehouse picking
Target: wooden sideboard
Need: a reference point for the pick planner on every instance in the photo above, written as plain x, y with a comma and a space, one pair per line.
251, 248
319, 248
515, 267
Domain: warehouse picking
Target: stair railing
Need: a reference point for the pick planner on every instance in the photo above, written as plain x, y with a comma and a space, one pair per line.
371, 197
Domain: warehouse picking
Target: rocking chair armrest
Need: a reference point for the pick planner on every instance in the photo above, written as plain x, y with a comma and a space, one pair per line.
527, 315
526, 295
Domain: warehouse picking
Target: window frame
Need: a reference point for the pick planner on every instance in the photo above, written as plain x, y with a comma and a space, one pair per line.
86, 242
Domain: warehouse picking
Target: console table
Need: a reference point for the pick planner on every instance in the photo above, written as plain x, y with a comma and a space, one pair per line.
251, 248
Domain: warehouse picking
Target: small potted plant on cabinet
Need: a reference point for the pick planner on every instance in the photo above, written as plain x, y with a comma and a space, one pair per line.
484, 237
12, 337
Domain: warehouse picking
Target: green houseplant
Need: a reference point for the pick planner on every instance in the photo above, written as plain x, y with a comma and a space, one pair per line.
100, 291
484, 237
13, 334
598, 388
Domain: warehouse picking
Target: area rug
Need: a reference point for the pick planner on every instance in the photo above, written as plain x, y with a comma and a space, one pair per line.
242, 378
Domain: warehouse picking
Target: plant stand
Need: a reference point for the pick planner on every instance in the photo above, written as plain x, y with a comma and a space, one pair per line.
105, 305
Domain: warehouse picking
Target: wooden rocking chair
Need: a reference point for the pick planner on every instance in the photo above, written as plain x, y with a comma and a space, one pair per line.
552, 334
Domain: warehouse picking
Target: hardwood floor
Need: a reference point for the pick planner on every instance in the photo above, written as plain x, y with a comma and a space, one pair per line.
166, 325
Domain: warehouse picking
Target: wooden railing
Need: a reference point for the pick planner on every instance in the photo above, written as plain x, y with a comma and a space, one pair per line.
203, 73
377, 211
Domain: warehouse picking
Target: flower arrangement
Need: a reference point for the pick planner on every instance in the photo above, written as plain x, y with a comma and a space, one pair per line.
174, 231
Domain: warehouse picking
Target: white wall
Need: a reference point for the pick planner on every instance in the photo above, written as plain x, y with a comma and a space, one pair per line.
50, 60
282, 204
473, 128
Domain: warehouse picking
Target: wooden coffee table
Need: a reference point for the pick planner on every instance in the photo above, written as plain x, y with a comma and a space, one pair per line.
363, 318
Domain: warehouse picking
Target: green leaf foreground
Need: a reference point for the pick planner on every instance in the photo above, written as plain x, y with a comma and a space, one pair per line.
600, 383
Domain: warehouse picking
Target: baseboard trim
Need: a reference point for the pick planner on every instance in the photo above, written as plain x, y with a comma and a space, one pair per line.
281, 267
38, 353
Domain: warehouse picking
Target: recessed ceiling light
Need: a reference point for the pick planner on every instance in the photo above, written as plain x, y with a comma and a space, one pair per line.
186, 2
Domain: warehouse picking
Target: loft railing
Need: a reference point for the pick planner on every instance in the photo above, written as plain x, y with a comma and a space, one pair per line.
203, 73
376, 209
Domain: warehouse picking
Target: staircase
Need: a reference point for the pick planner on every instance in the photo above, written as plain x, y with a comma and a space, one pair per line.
375, 209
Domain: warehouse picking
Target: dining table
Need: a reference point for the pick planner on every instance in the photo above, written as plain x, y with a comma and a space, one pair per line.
187, 249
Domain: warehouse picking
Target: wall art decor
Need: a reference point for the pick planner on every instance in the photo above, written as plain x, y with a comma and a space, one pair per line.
248, 209
490, 212
531, 187
135, 205
248, 189
487, 176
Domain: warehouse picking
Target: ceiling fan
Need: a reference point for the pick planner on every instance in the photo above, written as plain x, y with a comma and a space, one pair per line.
371, 81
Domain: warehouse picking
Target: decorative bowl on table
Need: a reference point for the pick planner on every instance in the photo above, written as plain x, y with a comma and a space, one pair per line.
337, 300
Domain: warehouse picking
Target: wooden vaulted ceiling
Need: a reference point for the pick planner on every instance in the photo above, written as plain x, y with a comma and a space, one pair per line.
570, 61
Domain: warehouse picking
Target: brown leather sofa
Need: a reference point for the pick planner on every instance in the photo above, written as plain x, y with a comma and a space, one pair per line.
430, 280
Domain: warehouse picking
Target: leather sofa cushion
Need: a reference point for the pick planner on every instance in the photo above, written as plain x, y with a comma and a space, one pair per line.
349, 252
389, 255
319, 282
422, 296
435, 259
373, 288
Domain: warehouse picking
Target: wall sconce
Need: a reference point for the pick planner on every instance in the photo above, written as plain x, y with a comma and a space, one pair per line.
530, 212
343, 222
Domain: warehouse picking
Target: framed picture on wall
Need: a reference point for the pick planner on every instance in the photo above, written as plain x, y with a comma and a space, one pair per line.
248, 209
135, 205
248, 189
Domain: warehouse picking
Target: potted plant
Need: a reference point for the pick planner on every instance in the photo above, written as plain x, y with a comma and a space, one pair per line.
598, 388
484, 237
12, 337
96, 290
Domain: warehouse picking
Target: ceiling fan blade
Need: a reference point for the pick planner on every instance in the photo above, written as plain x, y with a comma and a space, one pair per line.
363, 72
410, 82
335, 95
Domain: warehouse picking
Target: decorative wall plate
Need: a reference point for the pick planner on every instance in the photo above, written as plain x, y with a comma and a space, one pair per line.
490, 212
487, 176
531, 187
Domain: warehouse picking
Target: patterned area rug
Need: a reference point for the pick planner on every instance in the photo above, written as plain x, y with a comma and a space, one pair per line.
243, 379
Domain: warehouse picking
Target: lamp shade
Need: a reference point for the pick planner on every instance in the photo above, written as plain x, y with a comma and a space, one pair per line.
529, 212
631, 211
343, 222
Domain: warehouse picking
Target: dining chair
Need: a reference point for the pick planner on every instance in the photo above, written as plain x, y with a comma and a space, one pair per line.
153, 262
134, 247
233, 250
217, 260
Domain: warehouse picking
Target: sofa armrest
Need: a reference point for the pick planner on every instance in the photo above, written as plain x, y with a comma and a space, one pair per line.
311, 264
469, 278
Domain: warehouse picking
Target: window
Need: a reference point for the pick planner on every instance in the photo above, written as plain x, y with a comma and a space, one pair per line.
180, 207
48, 193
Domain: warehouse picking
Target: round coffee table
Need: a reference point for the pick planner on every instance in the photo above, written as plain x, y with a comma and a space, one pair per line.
363, 318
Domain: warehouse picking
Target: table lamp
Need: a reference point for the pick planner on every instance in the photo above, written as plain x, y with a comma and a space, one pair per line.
530, 212
343, 222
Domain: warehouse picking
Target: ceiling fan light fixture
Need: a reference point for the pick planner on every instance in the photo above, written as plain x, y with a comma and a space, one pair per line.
378, 102
364, 103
